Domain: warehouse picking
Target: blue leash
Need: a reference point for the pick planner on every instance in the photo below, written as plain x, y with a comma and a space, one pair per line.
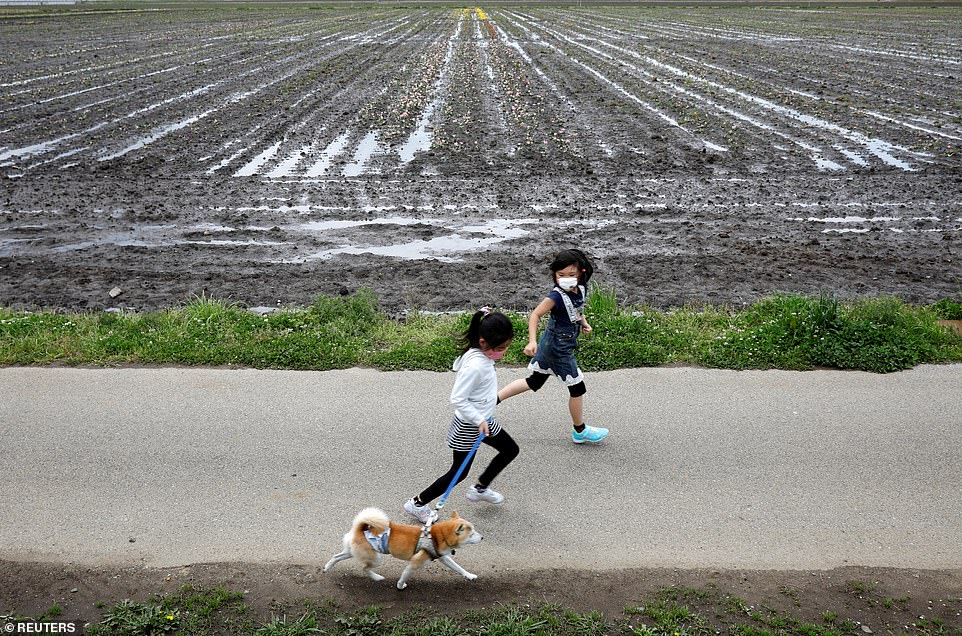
457, 475
427, 526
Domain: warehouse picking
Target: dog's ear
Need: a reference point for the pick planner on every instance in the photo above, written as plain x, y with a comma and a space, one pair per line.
460, 529
454, 515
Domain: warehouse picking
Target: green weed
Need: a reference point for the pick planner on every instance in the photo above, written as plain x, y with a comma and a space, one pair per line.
880, 334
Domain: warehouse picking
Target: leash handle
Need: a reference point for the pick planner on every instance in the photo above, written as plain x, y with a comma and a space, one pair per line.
457, 475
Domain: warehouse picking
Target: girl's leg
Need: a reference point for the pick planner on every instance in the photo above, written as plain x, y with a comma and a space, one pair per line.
507, 451
533, 382
513, 389
576, 405
441, 484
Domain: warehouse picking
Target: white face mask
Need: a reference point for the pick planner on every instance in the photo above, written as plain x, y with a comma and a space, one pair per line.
567, 283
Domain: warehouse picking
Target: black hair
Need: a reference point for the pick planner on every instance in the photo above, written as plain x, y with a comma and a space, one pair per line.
494, 327
572, 257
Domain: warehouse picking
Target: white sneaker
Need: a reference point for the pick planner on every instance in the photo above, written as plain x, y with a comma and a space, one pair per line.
487, 495
421, 513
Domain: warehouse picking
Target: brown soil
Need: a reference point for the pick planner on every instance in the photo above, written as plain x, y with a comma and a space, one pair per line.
885, 600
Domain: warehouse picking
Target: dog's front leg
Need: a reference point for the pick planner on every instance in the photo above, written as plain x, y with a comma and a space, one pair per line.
337, 558
452, 564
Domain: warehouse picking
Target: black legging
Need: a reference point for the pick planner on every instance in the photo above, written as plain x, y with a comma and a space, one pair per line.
507, 450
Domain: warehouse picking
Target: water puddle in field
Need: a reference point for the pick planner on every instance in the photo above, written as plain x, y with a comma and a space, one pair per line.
851, 219
148, 236
233, 243
145, 236
468, 238
365, 150
333, 149
421, 139
158, 133
255, 164
286, 167
36, 149
321, 226
854, 157
826, 164
7, 245
840, 223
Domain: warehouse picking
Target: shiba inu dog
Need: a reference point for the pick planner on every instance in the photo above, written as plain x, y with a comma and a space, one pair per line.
373, 534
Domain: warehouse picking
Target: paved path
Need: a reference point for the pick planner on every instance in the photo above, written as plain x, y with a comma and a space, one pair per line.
703, 468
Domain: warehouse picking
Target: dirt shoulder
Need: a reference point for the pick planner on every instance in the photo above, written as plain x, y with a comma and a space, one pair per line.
885, 600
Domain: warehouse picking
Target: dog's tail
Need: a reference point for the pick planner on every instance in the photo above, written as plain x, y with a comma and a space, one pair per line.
373, 519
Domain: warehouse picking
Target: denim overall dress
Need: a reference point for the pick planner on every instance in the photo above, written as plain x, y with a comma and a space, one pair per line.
557, 344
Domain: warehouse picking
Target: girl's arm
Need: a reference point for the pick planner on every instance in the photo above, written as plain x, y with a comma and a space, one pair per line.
543, 307
585, 327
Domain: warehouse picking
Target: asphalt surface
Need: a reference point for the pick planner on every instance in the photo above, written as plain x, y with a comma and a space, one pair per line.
704, 468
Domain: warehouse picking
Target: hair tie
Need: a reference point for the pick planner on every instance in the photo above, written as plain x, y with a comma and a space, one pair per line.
486, 310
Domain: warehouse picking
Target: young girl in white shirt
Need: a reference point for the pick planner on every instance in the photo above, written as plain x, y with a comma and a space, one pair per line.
474, 396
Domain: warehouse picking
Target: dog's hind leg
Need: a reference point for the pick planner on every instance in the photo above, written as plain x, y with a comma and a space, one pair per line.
452, 564
369, 565
416, 562
369, 560
337, 558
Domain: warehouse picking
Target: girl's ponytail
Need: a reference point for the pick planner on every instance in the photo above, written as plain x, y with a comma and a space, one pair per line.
493, 326
587, 269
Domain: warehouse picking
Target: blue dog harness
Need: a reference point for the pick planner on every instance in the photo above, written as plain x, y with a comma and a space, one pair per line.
379, 543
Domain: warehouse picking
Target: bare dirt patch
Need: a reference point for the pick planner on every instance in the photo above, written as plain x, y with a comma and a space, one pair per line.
884, 600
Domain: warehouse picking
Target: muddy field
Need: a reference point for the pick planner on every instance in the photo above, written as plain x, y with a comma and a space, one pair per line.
440, 157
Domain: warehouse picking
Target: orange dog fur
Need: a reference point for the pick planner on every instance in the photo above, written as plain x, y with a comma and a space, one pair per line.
402, 543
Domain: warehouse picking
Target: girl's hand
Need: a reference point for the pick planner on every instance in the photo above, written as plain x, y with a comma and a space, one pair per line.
531, 349
585, 327
483, 428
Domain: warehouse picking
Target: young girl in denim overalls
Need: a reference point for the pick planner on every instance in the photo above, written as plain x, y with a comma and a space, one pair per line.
553, 354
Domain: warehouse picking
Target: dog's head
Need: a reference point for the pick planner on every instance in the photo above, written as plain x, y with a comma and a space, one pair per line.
457, 531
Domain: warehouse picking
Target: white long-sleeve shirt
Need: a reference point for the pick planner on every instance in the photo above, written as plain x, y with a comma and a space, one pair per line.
475, 392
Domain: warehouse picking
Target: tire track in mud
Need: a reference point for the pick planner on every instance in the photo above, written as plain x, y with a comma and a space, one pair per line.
493, 96
224, 90
541, 123
598, 125
364, 125
661, 117
315, 102
808, 130
590, 130
801, 81
325, 117
141, 65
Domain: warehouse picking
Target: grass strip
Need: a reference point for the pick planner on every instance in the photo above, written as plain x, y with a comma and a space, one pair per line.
671, 611
785, 331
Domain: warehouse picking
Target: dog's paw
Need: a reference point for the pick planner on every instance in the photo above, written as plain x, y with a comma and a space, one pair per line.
401, 585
